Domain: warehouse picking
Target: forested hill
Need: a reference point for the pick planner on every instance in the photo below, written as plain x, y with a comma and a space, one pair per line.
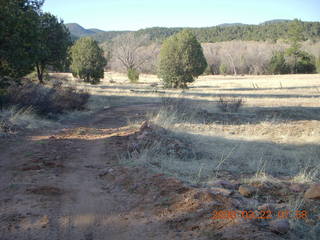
262, 32
78, 31
270, 30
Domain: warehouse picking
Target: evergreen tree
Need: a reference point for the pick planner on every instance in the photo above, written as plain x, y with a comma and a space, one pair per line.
53, 41
181, 60
87, 60
278, 64
302, 62
18, 31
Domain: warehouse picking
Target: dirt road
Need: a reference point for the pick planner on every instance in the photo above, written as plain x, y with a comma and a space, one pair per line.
69, 184
62, 184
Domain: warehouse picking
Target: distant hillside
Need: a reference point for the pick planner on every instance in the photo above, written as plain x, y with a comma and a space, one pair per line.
230, 24
275, 21
95, 30
267, 31
78, 31
107, 36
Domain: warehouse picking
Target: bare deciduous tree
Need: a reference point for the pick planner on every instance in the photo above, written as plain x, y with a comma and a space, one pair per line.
129, 50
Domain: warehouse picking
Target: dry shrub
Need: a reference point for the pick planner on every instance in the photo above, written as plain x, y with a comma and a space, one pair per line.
162, 141
230, 104
47, 101
179, 105
14, 121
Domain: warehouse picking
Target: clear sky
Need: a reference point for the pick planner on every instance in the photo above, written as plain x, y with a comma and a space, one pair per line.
137, 14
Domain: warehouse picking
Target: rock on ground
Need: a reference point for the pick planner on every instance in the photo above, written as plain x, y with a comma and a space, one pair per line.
313, 192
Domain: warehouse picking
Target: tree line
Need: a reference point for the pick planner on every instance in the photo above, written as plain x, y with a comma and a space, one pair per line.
31, 40
263, 32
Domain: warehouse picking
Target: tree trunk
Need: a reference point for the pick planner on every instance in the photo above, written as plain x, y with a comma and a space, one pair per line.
40, 73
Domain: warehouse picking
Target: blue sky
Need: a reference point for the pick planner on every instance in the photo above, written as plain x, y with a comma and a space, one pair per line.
137, 14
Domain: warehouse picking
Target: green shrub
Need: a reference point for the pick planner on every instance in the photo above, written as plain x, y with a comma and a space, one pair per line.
133, 75
305, 63
87, 60
223, 69
278, 64
318, 65
181, 60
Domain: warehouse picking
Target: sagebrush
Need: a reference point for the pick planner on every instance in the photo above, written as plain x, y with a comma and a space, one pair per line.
47, 101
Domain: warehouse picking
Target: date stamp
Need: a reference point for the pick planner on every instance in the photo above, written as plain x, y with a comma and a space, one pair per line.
259, 214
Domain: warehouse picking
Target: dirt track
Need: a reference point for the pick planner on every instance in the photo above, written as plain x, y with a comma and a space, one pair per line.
58, 185
69, 184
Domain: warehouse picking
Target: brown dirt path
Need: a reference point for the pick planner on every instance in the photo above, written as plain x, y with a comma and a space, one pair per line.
69, 184
53, 186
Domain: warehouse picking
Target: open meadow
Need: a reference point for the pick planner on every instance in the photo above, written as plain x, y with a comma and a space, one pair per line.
275, 131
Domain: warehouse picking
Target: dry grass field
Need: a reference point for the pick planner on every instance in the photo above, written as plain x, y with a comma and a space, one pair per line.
155, 163
273, 140
276, 131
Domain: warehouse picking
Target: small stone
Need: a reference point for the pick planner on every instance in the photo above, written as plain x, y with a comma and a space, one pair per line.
222, 191
246, 190
280, 226
104, 172
313, 192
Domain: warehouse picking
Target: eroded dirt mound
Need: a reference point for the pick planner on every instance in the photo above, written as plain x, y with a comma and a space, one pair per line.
227, 209
188, 211
162, 141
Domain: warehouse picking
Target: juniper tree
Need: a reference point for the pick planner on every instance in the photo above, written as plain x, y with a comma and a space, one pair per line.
181, 60
87, 61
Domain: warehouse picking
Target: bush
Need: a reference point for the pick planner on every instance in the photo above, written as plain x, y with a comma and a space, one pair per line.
278, 64
305, 63
133, 75
44, 100
181, 60
230, 105
87, 60
318, 65
223, 69
208, 71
